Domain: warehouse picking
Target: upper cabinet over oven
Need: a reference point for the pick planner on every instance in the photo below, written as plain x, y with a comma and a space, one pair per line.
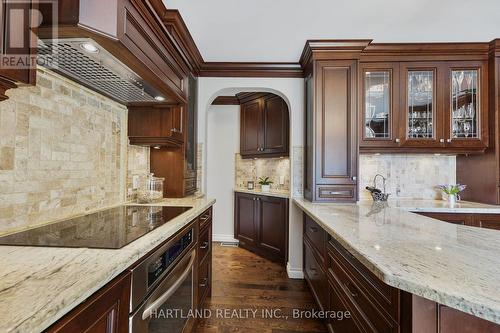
423, 98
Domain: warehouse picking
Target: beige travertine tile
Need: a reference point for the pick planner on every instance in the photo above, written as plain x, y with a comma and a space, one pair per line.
409, 176
63, 151
253, 169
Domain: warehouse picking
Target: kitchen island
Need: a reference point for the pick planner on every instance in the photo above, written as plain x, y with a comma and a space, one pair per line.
39, 285
453, 265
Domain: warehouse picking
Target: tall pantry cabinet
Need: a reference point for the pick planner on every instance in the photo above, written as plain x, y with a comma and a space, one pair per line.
331, 146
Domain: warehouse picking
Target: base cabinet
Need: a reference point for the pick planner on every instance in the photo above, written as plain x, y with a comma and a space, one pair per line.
204, 257
488, 221
104, 312
261, 225
361, 302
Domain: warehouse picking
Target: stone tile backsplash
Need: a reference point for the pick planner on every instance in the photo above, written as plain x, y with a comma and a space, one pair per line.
253, 169
409, 176
63, 151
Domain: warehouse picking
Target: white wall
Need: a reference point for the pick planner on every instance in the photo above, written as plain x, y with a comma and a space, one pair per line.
223, 140
292, 91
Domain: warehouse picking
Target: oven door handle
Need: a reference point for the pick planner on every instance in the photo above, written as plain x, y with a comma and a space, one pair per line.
170, 291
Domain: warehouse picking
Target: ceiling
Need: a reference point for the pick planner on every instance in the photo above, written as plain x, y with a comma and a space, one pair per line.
276, 30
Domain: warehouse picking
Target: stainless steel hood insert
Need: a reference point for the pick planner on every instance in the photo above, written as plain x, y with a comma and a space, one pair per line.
98, 70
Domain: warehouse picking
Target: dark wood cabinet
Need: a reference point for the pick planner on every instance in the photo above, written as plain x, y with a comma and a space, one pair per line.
261, 225
331, 131
171, 131
264, 126
426, 106
106, 311
462, 219
204, 289
340, 282
154, 125
488, 221
16, 40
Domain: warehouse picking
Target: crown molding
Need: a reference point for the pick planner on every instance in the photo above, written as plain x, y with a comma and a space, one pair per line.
226, 100
336, 48
251, 69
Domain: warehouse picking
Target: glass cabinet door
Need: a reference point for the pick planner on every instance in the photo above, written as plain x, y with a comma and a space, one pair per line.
464, 104
420, 104
377, 104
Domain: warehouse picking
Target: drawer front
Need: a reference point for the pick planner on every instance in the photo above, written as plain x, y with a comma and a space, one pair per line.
206, 218
204, 280
379, 320
489, 221
315, 276
342, 263
204, 243
337, 192
351, 320
316, 235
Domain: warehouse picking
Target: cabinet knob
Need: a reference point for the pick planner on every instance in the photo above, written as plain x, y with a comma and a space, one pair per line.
397, 140
441, 140
204, 245
354, 177
203, 282
448, 140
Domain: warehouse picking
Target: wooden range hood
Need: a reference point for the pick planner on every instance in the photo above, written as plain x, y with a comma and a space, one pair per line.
134, 45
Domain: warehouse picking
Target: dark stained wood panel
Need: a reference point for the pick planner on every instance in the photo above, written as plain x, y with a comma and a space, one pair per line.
104, 312
273, 227
246, 218
226, 100
251, 123
276, 125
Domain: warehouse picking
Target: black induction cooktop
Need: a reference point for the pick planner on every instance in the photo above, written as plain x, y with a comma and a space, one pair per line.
107, 229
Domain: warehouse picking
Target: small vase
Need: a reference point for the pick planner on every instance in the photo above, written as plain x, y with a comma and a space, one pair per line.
266, 188
452, 199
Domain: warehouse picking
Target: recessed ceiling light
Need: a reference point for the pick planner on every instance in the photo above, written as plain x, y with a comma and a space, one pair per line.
89, 47
438, 248
160, 98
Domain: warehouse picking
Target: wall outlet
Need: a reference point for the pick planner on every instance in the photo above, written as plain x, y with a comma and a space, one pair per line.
282, 180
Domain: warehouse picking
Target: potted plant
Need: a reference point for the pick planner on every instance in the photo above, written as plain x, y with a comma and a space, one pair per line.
265, 184
451, 192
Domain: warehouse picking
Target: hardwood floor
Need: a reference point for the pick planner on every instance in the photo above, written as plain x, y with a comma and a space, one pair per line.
242, 282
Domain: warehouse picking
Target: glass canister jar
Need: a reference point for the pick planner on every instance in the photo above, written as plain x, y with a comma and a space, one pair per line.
150, 189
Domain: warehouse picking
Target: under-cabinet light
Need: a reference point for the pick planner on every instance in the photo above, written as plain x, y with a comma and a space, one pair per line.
160, 98
157, 147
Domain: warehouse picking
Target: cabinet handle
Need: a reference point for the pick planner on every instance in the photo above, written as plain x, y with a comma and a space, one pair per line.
336, 192
314, 271
203, 284
313, 229
354, 177
204, 245
441, 140
448, 140
353, 294
397, 140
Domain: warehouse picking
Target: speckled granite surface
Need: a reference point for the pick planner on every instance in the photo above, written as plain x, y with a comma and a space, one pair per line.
455, 265
39, 285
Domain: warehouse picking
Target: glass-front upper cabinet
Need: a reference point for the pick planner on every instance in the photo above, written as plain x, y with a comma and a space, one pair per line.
379, 103
422, 119
466, 108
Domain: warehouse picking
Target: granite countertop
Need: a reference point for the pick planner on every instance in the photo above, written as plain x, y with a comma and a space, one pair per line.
455, 265
39, 285
271, 193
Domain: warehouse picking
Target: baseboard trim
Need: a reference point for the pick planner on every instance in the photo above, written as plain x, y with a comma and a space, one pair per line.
294, 273
224, 238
